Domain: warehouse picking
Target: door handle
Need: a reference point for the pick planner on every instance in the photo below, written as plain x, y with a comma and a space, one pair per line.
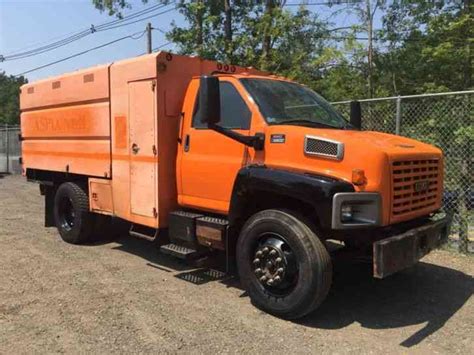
186, 143
135, 148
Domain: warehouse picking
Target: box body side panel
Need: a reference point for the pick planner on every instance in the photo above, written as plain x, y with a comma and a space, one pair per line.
73, 139
87, 85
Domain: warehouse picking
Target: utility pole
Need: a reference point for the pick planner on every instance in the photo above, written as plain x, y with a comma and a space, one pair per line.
148, 37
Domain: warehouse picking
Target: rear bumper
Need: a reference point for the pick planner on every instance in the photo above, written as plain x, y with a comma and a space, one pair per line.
396, 253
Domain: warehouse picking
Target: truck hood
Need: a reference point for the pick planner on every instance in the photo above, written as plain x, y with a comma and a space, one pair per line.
368, 150
374, 152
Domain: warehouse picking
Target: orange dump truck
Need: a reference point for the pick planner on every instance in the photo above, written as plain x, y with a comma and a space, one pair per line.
221, 159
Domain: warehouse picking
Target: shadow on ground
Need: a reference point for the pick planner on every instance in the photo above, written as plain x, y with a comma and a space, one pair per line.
426, 293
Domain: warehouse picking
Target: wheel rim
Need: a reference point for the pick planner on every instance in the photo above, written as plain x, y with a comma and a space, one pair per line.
274, 264
67, 214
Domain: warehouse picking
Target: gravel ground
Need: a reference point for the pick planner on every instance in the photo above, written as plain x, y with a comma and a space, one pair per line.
123, 296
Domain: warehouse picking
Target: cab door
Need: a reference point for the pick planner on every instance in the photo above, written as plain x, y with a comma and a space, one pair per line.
209, 161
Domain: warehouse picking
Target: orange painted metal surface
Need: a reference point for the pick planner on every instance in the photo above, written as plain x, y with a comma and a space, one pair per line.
100, 196
205, 177
87, 122
65, 123
122, 123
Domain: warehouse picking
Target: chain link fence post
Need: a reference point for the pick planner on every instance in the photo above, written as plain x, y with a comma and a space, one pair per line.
7, 131
398, 116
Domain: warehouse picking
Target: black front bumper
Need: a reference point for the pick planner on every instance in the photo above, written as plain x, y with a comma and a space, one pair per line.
396, 253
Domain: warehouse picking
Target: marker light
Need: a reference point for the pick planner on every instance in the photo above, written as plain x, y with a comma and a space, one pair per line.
358, 177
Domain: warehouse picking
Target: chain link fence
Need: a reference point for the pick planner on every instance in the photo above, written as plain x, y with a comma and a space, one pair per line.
10, 150
445, 120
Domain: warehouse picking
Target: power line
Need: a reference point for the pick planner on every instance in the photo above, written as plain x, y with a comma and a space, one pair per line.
142, 19
335, 3
132, 36
161, 46
102, 27
95, 28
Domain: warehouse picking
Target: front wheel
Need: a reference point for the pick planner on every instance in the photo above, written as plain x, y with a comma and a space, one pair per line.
282, 264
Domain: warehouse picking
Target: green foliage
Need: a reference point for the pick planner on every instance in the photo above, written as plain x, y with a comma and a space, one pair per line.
430, 47
9, 98
423, 46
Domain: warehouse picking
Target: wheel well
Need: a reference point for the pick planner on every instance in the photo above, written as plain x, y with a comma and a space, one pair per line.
262, 200
49, 182
55, 178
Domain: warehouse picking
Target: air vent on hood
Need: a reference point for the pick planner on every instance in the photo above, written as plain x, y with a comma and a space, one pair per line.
323, 147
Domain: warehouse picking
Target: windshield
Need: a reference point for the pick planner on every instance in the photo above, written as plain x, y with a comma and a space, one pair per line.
283, 102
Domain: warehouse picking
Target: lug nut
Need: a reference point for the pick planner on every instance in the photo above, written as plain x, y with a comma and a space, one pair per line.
265, 250
258, 271
280, 270
270, 282
269, 264
273, 252
277, 279
256, 261
279, 260
258, 254
263, 278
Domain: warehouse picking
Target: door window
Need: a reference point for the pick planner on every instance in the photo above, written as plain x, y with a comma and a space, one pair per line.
234, 112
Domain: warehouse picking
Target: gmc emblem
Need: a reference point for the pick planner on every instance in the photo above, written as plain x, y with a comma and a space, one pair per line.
421, 186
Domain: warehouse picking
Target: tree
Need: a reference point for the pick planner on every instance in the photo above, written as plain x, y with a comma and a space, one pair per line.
9, 98
437, 36
423, 46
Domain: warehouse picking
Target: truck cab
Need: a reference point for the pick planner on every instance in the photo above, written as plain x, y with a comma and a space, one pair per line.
222, 159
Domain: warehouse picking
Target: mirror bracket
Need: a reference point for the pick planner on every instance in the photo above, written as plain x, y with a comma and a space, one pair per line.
257, 141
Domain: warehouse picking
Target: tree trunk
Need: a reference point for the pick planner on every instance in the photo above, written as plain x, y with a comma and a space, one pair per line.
228, 30
267, 39
466, 169
199, 27
370, 48
467, 9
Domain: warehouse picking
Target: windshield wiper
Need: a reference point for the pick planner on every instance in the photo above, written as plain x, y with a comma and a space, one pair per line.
312, 123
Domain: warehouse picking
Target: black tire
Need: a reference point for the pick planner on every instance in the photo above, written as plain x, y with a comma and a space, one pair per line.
300, 291
71, 214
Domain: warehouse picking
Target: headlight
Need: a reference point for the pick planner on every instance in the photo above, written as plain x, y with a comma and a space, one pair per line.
356, 209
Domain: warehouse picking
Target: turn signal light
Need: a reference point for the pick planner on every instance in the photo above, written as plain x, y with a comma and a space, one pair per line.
358, 177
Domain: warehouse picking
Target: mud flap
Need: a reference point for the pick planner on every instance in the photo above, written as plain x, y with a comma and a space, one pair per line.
401, 251
48, 192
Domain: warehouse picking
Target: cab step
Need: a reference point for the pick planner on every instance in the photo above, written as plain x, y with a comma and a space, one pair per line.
179, 251
143, 232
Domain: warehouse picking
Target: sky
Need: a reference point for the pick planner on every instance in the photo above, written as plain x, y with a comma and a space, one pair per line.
26, 24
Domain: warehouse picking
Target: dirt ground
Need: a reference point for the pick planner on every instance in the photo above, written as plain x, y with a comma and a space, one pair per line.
123, 296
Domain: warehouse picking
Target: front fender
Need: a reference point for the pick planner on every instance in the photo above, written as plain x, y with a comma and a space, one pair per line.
314, 190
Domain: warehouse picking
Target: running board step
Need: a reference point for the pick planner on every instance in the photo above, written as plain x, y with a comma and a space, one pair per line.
143, 232
179, 251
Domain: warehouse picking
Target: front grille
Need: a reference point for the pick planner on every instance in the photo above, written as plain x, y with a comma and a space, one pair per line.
416, 186
323, 147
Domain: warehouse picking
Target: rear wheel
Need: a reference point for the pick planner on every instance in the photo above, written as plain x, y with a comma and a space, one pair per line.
282, 264
71, 213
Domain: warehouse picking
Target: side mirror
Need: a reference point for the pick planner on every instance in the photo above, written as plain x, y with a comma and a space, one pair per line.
356, 115
209, 100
